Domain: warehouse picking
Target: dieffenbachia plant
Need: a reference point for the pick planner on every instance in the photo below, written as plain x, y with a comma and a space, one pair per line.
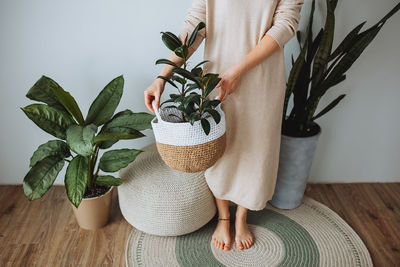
318, 69
194, 85
79, 140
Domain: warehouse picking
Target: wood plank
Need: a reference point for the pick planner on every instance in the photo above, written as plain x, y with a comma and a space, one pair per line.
44, 232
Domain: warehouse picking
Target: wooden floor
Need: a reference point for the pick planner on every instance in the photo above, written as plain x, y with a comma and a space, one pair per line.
44, 232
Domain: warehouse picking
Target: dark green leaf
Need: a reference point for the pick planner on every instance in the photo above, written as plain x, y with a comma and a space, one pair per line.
205, 125
166, 61
182, 51
76, 178
54, 148
108, 180
174, 96
114, 160
106, 102
212, 83
193, 36
178, 79
329, 107
171, 40
80, 139
50, 119
196, 71
201, 63
167, 80
195, 98
215, 114
186, 74
41, 177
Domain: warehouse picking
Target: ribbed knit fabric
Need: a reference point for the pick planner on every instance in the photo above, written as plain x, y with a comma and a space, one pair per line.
246, 173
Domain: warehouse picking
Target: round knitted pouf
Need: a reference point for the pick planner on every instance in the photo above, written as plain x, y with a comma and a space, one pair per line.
161, 201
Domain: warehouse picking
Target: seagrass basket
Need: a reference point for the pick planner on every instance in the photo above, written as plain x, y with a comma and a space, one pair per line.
186, 147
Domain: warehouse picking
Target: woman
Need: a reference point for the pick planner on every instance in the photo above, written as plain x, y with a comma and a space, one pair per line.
244, 43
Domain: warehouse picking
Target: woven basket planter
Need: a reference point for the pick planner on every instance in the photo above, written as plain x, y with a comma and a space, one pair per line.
186, 147
161, 201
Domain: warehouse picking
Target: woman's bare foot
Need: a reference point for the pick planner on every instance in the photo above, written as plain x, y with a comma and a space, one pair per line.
244, 239
221, 237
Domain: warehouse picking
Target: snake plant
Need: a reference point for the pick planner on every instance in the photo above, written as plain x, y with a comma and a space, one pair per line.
78, 140
317, 69
192, 104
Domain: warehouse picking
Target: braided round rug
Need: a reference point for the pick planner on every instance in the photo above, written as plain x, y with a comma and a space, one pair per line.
310, 235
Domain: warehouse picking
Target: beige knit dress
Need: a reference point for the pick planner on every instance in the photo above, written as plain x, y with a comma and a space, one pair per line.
247, 171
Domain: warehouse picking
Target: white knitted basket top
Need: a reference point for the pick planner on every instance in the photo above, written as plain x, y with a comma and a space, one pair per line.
159, 200
168, 130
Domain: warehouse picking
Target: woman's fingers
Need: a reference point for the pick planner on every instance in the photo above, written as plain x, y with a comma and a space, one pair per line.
148, 98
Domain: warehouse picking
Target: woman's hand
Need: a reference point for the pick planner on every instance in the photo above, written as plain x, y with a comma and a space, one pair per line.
153, 92
229, 82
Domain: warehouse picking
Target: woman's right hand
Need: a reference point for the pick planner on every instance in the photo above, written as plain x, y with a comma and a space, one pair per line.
153, 92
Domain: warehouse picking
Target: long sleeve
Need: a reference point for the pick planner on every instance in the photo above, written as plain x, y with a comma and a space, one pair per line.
196, 14
285, 21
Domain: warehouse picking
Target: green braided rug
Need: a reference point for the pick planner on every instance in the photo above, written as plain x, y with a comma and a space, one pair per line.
310, 235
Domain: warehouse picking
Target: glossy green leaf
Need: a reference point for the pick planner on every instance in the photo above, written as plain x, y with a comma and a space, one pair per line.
166, 61
178, 79
212, 82
55, 148
114, 160
195, 98
201, 63
50, 119
167, 80
193, 36
186, 74
182, 51
41, 177
106, 102
76, 178
108, 180
215, 114
170, 40
197, 71
80, 139
205, 125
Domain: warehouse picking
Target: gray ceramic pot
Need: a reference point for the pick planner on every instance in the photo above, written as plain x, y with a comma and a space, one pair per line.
295, 159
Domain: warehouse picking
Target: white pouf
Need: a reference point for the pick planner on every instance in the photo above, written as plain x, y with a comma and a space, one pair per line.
161, 201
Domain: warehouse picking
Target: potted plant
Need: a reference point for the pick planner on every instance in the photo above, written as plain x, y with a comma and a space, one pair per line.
316, 70
190, 133
78, 143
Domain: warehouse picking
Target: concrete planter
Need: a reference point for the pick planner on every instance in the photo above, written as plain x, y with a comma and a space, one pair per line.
93, 213
295, 159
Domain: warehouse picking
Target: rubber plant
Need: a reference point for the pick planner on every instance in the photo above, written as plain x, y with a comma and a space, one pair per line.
194, 86
79, 140
317, 69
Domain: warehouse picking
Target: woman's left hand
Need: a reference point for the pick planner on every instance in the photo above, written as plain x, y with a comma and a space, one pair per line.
229, 82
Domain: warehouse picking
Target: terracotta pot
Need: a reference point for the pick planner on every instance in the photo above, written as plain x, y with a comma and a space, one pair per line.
93, 213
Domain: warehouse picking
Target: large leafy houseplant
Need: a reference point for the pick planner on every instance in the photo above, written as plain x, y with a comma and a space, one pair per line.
317, 69
195, 85
79, 140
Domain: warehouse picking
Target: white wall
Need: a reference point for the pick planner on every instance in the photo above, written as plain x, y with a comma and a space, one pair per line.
85, 44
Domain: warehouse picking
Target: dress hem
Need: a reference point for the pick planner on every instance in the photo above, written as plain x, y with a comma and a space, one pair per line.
250, 207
